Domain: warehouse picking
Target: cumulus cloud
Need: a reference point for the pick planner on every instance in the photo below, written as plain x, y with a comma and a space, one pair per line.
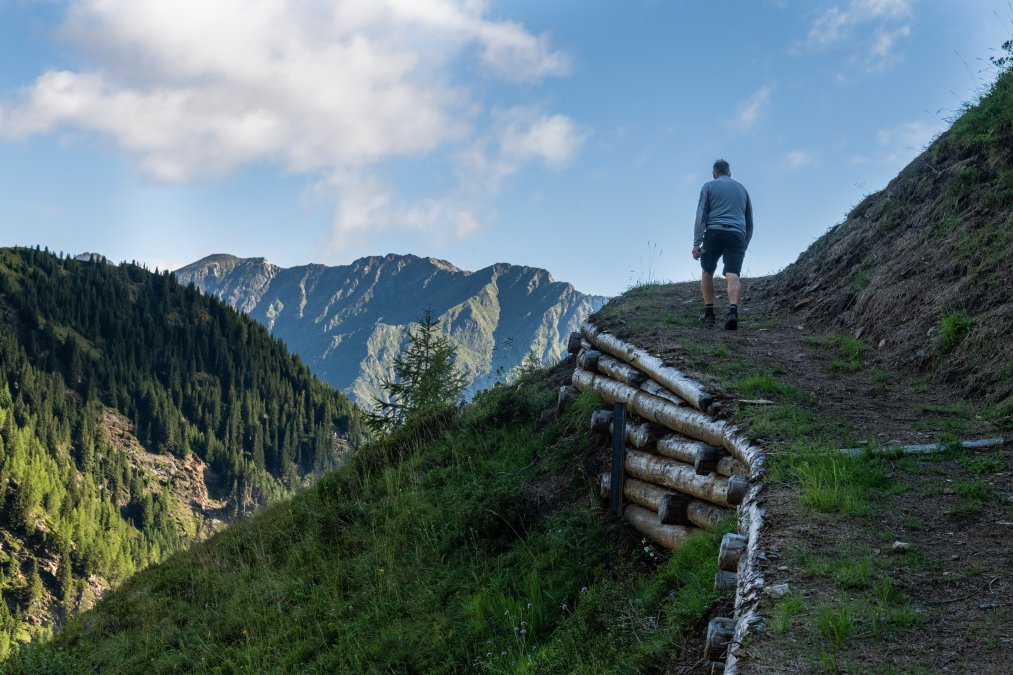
752, 109
195, 89
871, 28
799, 159
900, 143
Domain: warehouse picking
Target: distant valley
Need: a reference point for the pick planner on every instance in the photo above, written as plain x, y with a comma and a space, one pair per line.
348, 322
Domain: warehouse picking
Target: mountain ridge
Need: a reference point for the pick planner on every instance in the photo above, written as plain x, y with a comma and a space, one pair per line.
348, 321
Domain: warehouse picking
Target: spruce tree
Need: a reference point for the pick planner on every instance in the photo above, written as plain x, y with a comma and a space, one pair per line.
425, 376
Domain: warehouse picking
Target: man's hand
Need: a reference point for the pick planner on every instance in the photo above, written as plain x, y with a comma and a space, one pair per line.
697, 252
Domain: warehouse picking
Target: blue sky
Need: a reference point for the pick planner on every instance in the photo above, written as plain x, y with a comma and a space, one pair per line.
571, 135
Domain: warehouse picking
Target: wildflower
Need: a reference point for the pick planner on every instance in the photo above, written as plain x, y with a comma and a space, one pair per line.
506, 612
524, 631
583, 589
502, 654
516, 628
488, 655
564, 607
671, 594
529, 605
524, 624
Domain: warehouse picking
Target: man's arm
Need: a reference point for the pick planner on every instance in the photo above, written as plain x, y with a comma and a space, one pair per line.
749, 219
701, 218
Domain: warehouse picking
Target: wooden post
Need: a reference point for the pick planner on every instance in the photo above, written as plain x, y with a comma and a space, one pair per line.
737, 488
717, 668
618, 457
567, 395
573, 344
601, 421
588, 359
725, 581
719, 635
732, 546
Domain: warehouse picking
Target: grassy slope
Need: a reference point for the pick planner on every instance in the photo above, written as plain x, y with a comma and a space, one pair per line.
470, 540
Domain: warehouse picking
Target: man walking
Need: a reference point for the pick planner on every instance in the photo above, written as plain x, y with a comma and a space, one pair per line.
724, 226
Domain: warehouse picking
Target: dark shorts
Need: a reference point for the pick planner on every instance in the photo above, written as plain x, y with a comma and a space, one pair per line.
723, 243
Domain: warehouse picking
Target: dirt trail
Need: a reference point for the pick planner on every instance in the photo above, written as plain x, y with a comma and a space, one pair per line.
941, 601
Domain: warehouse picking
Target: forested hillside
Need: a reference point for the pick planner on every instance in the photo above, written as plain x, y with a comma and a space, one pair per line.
135, 415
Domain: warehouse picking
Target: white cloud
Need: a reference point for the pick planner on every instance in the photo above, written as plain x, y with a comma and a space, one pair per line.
518, 137
331, 88
870, 29
897, 145
752, 109
799, 159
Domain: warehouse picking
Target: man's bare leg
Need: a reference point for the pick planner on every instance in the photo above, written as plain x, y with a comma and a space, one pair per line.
734, 288
707, 287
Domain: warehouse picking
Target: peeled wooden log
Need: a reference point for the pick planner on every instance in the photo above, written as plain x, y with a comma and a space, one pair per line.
732, 546
719, 634
684, 420
644, 435
665, 375
676, 476
567, 395
573, 344
704, 457
618, 370
647, 523
671, 508
684, 510
601, 421
738, 486
725, 581
652, 387
688, 422
588, 359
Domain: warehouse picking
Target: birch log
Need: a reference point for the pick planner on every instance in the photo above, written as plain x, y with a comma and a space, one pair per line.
657, 499
676, 476
704, 457
732, 546
588, 359
601, 421
652, 387
670, 377
644, 435
690, 423
646, 522
618, 370
573, 344
725, 581
684, 510
567, 395
719, 634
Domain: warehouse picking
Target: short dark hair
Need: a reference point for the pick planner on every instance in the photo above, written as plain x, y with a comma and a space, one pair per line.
722, 168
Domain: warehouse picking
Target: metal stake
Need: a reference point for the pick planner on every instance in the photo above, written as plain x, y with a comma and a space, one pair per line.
618, 458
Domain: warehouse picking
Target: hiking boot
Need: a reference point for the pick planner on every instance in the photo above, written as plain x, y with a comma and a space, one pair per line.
707, 318
732, 322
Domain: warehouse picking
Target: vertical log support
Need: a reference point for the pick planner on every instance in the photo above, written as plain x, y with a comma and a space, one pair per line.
725, 581
567, 395
732, 546
573, 344
719, 634
601, 421
618, 457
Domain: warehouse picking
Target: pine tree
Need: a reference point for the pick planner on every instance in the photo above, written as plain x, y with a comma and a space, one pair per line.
425, 376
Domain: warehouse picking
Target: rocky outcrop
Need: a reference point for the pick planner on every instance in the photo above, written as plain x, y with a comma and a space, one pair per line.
348, 322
